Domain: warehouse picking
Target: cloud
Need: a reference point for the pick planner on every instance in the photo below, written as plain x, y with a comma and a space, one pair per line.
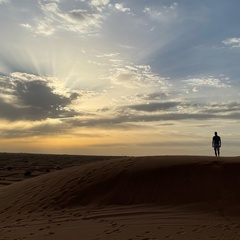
159, 112
154, 106
163, 13
152, 96
81, 21
30, 97
97, 3
223, 108
136, 76
55, 18
100, 5
37, 128
133, 118
208, 82
232, 42
4, 1
121, 8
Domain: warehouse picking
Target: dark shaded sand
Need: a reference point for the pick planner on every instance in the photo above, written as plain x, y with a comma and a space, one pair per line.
142, 198
15, 166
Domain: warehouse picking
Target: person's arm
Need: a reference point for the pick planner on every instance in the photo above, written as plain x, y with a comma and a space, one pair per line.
220, 143
213, 142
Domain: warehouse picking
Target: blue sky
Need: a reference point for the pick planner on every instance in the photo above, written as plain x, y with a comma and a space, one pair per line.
139, 77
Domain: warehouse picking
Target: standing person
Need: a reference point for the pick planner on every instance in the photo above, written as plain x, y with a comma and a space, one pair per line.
216, 144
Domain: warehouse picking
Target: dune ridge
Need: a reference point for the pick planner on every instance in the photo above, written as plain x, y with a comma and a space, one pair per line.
164, 180
132, 198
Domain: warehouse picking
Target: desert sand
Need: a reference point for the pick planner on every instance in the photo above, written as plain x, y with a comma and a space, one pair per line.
62, 197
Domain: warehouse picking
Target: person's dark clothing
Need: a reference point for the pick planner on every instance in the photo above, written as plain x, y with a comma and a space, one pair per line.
217, 140
216, 144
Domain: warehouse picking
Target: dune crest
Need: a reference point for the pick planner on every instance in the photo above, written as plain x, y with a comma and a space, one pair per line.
162, 180
145, 198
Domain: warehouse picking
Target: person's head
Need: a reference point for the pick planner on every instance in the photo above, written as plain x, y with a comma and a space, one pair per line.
215, 133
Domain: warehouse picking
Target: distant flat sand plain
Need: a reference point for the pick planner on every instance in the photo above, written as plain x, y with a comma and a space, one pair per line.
61, 197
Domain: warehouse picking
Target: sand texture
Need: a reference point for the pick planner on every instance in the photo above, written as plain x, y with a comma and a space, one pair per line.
62, 197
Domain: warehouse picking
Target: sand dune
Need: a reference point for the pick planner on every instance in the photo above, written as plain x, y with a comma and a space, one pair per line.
137, 192
14, 166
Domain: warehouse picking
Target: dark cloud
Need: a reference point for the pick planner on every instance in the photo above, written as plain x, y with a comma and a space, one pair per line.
79, 15
33, 100
10, 112
231, 107
156, 96
39, 95
166, 124
130, 118
121, 120
153, 107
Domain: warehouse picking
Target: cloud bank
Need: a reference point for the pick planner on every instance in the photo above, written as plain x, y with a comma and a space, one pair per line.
30, 97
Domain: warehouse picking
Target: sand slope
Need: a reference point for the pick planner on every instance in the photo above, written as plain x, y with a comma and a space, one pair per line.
135, 193
14, 166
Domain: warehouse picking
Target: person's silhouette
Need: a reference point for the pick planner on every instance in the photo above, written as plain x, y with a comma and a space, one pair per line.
216, 144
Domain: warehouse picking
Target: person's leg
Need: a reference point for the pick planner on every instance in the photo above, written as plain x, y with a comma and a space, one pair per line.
218, 151
215, 150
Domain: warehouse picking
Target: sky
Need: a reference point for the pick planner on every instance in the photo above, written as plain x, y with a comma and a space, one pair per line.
117, 77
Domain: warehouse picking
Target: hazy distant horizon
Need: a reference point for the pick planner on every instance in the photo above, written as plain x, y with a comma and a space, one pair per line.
107, 77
